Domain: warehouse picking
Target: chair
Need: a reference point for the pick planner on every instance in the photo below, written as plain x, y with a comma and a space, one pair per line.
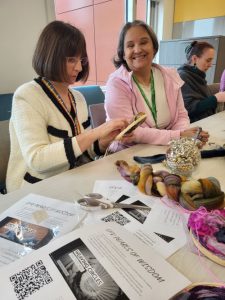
215, 88
4, 153
6, 106
92, 93
97, 114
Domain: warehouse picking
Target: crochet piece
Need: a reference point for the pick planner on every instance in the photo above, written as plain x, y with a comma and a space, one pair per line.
208, 233
201, 291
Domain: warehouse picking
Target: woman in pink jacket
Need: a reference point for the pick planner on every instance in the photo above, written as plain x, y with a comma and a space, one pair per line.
139, 85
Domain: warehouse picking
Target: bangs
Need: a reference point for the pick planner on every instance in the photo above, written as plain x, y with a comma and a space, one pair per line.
76, 46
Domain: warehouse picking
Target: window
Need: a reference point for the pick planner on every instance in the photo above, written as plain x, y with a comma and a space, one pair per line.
130, 10
152, 14
146, 10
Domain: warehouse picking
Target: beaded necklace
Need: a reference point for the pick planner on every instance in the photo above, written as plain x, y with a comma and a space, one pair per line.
59, 99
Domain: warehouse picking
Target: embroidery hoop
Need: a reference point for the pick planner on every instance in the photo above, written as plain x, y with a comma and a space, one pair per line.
137, 121
193, 285
207, 252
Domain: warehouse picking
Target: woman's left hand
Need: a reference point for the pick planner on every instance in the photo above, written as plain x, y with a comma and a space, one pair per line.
111, 129
203, 137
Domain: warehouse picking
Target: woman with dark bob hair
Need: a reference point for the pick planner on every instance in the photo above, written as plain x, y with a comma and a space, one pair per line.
139, 85
49, 127
198, 99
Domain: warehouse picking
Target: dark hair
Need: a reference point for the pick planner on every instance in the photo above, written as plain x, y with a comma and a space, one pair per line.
57, 41
119, 60
196, 48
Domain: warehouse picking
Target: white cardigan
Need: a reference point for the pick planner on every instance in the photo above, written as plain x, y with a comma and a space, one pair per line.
42, 142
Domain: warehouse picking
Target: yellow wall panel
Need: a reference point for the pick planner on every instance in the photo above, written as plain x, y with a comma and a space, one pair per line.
188, 10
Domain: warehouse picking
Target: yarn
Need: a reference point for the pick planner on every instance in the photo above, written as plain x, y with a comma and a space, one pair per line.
209, 227
201, 292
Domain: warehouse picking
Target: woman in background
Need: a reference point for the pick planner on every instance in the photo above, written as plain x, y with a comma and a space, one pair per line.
198, 99
49, 127
139, 85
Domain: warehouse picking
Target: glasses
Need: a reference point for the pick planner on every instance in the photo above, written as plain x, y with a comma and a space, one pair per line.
75, 60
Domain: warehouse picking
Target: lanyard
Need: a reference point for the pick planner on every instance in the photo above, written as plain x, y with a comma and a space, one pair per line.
153, 106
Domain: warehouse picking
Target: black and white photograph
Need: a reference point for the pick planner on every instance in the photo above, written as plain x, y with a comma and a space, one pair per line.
85, 276
138, 214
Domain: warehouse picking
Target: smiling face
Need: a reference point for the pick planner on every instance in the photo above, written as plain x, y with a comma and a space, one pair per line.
204, 62
138, 49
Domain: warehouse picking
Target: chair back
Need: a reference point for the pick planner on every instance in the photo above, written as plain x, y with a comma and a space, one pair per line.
6, 106
97, 114
215, 88
92, 93
4, 152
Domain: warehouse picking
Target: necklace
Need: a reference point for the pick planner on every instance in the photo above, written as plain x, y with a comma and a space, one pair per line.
59, 99
152, 107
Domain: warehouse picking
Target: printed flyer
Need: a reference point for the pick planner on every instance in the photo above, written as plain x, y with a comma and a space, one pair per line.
161, 227
101, 261
33, 222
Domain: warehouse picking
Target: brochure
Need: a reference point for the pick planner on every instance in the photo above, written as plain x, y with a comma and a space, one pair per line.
161, 227
32, 222
95, 262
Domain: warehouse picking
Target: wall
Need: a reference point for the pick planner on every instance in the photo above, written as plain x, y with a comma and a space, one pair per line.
195, 10
21, 22
100, 21
20, 25
198, 18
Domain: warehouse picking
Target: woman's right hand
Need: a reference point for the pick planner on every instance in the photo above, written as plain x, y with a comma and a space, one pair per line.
191, 132
220, 96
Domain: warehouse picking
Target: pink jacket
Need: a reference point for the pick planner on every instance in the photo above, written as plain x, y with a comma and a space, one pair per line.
123, 100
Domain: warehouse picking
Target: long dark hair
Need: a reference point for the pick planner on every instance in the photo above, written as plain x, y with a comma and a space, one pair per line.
119, 60
57, 41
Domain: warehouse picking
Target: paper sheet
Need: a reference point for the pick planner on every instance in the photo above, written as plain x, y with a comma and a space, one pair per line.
161, 228
97, 262
32, 222
114, 189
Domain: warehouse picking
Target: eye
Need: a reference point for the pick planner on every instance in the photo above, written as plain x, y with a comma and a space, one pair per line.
143, 42
71, 60
130, 46
84, 61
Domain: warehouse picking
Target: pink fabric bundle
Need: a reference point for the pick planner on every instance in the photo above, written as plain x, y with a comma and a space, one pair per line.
209, 229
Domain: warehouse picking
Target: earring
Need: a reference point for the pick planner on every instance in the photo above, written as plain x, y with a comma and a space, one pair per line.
195, 66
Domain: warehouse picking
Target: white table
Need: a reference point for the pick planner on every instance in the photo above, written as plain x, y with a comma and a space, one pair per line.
70, 185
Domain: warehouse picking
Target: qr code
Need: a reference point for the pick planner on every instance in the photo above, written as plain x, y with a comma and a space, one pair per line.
30, 280
116, 217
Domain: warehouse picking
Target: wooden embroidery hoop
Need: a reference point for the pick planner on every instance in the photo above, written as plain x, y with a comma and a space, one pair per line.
193, 285
206, 252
